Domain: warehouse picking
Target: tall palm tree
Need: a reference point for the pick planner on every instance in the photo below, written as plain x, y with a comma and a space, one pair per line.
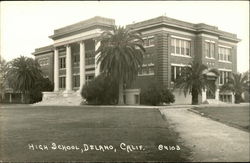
22, 74
3, 71
121, 55
237, 83
194, 79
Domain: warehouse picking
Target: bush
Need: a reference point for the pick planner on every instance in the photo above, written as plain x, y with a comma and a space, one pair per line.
155, 94
41, 85
101, 90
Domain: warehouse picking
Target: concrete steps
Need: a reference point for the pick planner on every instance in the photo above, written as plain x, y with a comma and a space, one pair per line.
213, 101
71, 99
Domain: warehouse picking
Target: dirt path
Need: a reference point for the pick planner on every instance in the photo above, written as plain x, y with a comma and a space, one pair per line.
209, 140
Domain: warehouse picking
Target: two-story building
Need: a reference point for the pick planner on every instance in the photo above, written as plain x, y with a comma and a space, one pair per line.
170, 45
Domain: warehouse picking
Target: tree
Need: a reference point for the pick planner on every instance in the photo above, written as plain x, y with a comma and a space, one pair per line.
3, 71
237, 83
41, 85
22, 74
121, 55
194, 79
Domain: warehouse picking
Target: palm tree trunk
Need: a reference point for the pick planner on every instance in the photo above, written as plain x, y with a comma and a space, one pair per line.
22, 97
237, 98
194, 97
120, 97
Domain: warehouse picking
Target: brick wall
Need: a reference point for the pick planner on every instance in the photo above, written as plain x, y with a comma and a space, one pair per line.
162, 69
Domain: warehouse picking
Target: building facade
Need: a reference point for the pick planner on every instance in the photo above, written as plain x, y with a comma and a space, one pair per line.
170, 45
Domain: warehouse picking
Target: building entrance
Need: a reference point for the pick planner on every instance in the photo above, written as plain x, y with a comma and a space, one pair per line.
211, 91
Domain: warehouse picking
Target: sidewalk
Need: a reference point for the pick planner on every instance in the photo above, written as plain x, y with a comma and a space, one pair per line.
209, 140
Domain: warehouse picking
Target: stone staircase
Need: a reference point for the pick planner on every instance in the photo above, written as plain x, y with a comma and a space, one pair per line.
213, 101
60, 99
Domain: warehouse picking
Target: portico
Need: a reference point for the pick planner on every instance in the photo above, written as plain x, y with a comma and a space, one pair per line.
76, 45
69, 67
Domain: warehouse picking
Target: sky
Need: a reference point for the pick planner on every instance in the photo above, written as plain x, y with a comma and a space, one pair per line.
27, 25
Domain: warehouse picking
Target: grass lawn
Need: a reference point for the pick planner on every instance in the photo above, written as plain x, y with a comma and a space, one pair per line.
76, 126
234, 116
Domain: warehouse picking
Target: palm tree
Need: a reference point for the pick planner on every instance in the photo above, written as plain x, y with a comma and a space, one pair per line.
237, 83
22, 74
194, 79
121, 55
3, 71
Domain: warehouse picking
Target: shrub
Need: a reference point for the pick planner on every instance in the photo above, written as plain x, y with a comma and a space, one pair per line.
155, 94
41, 85
101, 90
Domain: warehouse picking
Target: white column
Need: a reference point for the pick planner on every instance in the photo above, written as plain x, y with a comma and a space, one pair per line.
10, 99
82, 65
68, 69
97, 66
203, 95
217, 94
56, 71
233, 99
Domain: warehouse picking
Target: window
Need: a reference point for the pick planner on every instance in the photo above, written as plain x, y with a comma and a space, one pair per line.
176, 72
212, 50
173, 46
89, 57
180, 47
151, 70
76, 80
62, 62
209, 49
43, 61
177, 46
76, 58
89, 78
145, 42
62, 82
146, 70
223, 77
226, 98
225, 54
187, 48
148, 41
151, 41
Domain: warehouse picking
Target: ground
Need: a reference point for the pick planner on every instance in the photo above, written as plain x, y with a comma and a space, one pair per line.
27, 126
209, 140
234, 116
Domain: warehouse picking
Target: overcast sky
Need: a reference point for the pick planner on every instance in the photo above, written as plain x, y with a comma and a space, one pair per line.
27, 25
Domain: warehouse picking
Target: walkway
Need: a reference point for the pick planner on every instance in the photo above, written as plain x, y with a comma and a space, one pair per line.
209, 140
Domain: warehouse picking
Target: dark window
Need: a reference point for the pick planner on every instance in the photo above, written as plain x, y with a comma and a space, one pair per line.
76, 80
173, 45
62, 82
172, 73
62, 62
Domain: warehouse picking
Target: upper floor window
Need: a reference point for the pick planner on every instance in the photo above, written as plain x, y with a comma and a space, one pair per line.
76, 58
180, 47
43, 61
225, 54
148, 41
62, 62
210, 50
